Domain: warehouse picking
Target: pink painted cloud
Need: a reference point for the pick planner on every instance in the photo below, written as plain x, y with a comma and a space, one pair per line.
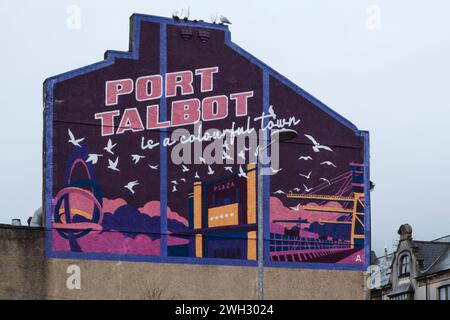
152, 209
175, 241
110, 242
112, 205
278, 211
115, 243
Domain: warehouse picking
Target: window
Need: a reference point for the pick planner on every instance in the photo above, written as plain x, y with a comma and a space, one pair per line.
404, 265
444, 292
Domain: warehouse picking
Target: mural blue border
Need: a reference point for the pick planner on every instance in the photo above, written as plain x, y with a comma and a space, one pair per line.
266, 178
367, 207
133, 54
162, 147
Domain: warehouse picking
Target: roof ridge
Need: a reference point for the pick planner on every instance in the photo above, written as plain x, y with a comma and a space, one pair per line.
447, 236
432, 242
386, 255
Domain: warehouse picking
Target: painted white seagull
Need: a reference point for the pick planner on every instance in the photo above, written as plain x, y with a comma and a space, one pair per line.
307, 176
110, 146
113, 165
317, 146
226, 156
328, 163
131, 185
256, 151
93, 157
241, 173
275, 170
242, 154
136, 158
272, 113
72, 140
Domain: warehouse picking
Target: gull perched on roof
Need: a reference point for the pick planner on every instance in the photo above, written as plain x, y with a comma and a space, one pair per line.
224, 20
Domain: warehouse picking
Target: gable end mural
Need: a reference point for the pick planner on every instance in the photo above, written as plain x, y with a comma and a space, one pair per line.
127, 144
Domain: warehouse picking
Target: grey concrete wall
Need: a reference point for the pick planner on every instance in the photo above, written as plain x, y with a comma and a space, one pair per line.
23, 267
287, 283
26, 273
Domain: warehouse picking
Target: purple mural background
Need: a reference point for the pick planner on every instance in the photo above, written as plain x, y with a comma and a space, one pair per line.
119, 196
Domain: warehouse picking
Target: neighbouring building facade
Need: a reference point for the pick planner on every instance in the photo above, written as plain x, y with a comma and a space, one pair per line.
417, 270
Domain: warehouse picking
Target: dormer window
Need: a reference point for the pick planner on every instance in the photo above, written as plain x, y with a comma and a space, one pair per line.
405, 265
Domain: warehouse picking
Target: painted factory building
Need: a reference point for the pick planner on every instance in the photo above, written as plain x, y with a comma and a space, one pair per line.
225, 226
128, 177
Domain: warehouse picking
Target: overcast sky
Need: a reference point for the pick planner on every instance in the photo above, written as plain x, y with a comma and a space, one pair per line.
384, 65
